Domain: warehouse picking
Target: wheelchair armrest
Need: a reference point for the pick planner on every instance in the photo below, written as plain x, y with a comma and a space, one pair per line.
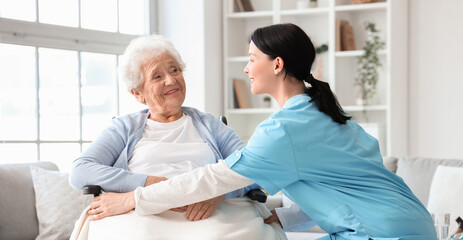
257, 195
92, 189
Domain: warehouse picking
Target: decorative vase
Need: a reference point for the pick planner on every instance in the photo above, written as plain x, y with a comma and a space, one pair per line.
361, 102
301, 4
313, 4
362, 1
267, 104
318, 69
361, 98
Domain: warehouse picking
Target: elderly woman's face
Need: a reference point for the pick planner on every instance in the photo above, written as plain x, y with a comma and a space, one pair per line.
163, 89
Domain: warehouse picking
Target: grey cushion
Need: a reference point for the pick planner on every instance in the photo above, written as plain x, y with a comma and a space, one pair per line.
17, 201
58, 204
418, 173
390, 163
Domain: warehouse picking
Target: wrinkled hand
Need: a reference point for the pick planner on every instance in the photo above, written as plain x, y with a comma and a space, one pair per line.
204, 209
180, 209
153, 179
273, 218
110, 204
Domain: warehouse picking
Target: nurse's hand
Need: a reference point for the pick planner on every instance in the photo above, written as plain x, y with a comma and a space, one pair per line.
204, 209
273, 218
110, 204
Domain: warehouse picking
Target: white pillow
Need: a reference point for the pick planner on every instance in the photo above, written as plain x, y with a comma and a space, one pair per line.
446, 194
58, 205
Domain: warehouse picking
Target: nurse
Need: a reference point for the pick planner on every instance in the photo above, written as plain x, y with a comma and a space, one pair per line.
310, 150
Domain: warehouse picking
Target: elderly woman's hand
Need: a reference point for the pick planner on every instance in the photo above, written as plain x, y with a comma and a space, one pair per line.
204, 209
154, 179
273, 218
110, 204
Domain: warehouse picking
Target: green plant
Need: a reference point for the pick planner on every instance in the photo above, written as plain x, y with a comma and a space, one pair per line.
368, 64
321, 49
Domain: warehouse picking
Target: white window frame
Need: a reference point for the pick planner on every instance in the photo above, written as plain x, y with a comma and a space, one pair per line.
38, 34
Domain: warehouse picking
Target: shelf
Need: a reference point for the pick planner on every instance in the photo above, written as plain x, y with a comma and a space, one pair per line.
305, 12
252, 110
240, 59
337, 67
355, 53
254, 14
354, 108
361, 7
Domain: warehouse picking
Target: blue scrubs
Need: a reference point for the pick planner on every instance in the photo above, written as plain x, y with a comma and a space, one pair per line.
334, 172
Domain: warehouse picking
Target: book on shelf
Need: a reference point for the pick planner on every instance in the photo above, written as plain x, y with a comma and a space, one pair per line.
244, 5
242, 94
347, 37
338, 34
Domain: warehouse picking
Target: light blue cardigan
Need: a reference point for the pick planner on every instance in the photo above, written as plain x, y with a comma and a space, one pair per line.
105, 162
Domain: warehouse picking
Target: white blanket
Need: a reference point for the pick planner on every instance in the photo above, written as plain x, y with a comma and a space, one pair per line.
234, 219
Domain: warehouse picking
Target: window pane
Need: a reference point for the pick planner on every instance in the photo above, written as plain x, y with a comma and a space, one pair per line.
18, 119
18, 152
132, 16
59, 12
58, 93
98, 80
62, 154
85, 146
18, 9
99, 15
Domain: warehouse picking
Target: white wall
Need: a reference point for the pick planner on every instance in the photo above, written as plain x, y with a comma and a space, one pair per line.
435, 67
194, 26
436, 78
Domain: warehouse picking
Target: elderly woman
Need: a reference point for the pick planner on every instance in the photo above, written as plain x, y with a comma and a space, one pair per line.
163, 141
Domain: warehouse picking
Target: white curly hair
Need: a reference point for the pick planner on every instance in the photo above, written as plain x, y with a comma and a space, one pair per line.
138, 52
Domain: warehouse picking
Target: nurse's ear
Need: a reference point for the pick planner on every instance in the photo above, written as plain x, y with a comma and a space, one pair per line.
278, 65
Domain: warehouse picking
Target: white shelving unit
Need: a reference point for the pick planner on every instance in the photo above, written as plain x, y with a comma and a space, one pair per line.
385, 117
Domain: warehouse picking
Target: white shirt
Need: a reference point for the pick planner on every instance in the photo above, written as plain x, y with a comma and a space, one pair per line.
170, 149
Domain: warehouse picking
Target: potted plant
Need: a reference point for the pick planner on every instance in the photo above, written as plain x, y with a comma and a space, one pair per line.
267, 100
318, 61
368, 64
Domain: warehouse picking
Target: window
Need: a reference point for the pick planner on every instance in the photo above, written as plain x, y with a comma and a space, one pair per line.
58, 78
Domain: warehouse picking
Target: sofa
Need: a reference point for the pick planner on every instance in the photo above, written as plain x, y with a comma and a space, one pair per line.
27, 206
37, 202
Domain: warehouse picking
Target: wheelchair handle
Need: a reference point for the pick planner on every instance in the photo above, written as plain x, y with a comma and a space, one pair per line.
257, 195
92, 189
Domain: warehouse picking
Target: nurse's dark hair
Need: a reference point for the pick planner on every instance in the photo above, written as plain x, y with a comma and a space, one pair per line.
292, 44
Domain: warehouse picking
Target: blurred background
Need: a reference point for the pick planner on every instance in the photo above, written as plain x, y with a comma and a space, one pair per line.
59, 86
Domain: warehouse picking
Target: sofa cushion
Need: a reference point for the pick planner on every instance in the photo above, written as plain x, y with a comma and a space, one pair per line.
390, 163
17, 201
418, 173
445, 194
58, 204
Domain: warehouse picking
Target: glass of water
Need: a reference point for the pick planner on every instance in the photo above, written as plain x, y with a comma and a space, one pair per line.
441, 224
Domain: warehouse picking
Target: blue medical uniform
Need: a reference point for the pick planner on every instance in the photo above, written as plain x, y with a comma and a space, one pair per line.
334, 172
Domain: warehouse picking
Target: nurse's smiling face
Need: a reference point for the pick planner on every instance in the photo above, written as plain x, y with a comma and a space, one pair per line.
260, 70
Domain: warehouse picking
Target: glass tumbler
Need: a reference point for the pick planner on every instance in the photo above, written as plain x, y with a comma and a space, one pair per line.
441, 224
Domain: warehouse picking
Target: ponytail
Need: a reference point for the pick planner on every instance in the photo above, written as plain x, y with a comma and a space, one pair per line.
325, 100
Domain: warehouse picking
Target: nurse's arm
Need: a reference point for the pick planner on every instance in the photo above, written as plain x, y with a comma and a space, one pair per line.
195, 186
